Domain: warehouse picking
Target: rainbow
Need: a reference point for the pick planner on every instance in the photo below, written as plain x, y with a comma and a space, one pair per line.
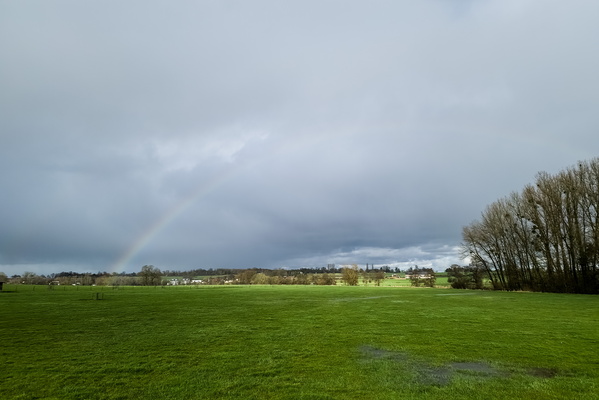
146, 237
179, 208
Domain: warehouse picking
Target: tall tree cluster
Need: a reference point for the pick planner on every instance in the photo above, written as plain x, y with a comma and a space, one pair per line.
150, 275
545, 238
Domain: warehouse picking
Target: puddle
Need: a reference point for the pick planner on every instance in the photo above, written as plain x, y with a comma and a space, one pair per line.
434, 376
427, 374
373, 352
478, 367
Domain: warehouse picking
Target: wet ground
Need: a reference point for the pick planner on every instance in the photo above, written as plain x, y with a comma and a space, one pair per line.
429, 374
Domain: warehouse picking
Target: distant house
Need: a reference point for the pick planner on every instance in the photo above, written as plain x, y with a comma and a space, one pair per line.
419, 276
176, 282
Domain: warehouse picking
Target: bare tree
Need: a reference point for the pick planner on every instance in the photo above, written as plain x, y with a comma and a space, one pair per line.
245, 277
150, 275
544, 239
350, 275
379, 276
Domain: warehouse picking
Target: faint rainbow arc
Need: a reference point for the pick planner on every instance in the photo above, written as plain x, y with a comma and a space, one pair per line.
142, 241
284, 147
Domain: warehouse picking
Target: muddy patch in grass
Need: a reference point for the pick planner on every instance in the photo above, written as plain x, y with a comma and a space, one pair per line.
442, 375
425, 373
376, 353
475, 367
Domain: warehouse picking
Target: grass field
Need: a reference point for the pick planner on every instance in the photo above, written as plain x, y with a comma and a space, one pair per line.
296, 342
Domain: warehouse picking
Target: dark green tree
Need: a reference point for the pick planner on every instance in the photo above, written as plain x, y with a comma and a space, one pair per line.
470, 277
150, 275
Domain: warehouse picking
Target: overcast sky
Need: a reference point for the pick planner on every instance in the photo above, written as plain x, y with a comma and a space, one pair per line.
206, 134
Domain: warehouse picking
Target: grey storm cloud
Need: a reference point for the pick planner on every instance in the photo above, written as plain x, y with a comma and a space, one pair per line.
279, 134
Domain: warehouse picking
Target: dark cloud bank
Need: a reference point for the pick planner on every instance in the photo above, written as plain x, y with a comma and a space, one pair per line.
272, 134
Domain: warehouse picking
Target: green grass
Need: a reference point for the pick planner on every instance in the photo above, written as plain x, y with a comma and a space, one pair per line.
295, 342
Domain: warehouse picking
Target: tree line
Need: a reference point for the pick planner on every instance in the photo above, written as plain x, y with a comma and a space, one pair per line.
545, 238
150, 275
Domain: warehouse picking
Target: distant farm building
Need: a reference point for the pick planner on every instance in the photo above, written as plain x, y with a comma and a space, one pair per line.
419, 276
